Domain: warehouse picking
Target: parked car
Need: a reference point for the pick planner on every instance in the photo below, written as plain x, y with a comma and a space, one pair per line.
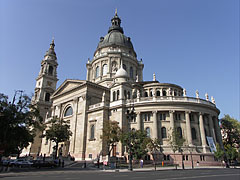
41, 163
20, 163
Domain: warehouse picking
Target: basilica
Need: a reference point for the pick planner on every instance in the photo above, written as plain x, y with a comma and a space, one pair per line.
114, 85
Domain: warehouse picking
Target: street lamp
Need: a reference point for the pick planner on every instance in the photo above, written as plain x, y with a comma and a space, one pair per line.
130, 116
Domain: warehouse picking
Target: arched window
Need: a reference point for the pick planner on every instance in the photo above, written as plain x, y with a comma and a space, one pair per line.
114, 96
118, 94
68, 112
175, 93
47, 97
125, 67
146, 94
194, 135
105, 69
164, 132
50, 70
128, 95
97, 72
164, 93
131, 72
179, 132
125, 94
158, 93
92, 132
151, 94
148, 131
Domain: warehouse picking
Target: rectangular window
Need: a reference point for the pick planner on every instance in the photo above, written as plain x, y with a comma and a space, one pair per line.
177, 116
146, 117
186, 157
90, 156
191, 117
162, 116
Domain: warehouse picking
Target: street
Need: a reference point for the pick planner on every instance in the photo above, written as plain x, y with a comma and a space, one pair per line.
71, 174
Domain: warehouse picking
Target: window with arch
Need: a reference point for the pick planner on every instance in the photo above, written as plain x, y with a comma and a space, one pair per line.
125, 94
118, 94
179, 131
151, 94
146, 94
194, 135
92, 132
97, 72
114, 96
175, 93
148, 132
164, 93
164, 132
158, 93
125, 67
128, 95
105, 69
131, 72
50, 70
68, 112
47, 97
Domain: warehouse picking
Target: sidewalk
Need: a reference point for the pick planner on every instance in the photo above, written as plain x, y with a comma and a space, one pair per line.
165, 168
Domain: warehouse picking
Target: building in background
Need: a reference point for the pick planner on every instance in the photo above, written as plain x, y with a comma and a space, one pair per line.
113, 86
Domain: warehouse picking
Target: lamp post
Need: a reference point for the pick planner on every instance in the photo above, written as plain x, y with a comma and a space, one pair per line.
130, 116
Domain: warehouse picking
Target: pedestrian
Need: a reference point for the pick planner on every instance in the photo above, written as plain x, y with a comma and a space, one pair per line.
62, 163
59, 162
197, 163
162, 163
141, 163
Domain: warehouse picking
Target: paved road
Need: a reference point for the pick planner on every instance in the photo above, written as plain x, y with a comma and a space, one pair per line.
74, 174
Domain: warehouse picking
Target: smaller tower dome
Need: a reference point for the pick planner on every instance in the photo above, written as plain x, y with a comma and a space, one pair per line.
121, 73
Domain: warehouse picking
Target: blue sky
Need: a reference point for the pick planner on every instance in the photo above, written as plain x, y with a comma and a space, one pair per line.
192, 43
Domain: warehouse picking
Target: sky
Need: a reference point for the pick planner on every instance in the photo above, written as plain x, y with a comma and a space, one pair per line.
191, 43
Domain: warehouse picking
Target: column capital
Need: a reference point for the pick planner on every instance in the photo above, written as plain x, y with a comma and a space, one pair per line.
75, 100
188, 112
171, 111
154, 112
138, 113
201, 113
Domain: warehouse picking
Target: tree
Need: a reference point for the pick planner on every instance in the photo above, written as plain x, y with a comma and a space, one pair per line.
230, 128
136, 143
18, 124
231, 131
176, 142
219, 153
154, 146
111, 135
57, 130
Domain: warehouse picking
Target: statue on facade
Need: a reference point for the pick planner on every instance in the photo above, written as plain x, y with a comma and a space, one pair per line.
154, 77
184, 92
213, 100
206, 95
197, 94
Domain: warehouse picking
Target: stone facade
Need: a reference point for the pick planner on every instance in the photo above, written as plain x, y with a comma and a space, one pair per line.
114, 84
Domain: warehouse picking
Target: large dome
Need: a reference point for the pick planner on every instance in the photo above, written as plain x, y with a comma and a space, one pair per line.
115, 36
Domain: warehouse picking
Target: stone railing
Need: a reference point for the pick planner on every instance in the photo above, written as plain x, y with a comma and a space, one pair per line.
170, 99
101, 104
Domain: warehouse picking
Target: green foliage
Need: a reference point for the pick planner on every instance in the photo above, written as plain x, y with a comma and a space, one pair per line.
231, 131
57, 130
219, 154
136, 143
231, 152
111, 134
176, 141
154, 145
18, 124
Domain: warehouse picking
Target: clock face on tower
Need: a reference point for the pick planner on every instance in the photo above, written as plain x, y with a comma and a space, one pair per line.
49, 83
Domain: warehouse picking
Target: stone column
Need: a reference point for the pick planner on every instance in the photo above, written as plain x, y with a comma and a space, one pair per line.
212, 132
155, 126
171, 113
138, 120
202, 132
188, 128
218, 131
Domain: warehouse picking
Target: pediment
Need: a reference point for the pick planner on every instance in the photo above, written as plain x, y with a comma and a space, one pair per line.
67, 85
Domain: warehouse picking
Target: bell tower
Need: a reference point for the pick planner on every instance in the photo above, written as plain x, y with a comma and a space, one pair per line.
46, 83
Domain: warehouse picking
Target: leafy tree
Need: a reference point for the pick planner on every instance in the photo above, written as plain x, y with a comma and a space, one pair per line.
136, 143
219, 153
111, 135
57, 130
231, 131
18, 124
154, 146
176, 142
